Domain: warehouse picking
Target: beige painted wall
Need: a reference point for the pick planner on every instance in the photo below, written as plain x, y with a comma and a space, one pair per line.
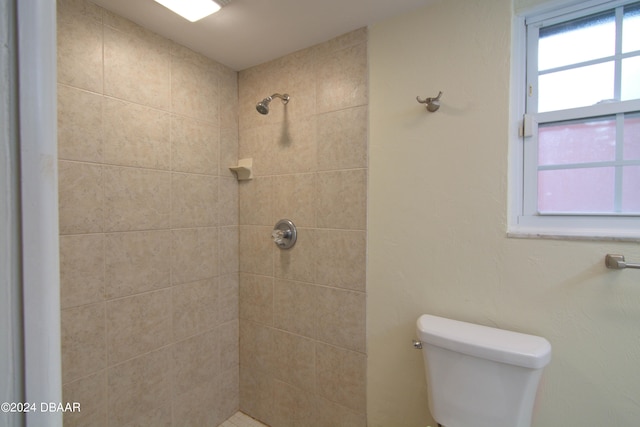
437, 215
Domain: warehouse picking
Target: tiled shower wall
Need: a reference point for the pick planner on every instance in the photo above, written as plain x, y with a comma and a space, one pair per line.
148, 223
302, 310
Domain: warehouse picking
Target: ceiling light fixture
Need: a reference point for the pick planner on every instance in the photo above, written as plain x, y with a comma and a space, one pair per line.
192, 10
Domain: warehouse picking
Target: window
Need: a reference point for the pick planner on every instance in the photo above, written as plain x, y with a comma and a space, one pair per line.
580, 141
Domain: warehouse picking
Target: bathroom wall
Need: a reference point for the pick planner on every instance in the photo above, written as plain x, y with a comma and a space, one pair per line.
437, 230
148, 224
302, 310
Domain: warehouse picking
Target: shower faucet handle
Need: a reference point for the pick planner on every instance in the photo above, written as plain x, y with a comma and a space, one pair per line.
284, 234
279, 236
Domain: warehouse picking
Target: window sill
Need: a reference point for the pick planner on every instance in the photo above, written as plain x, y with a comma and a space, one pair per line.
588, 234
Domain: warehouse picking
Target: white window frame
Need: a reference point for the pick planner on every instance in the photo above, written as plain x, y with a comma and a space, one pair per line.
522, 220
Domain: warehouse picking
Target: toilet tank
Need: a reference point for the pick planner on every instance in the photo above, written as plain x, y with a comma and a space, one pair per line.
478, 376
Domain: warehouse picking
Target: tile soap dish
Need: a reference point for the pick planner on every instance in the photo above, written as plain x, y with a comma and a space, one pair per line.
244, 169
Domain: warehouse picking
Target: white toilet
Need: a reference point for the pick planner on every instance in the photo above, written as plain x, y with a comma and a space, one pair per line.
478, 376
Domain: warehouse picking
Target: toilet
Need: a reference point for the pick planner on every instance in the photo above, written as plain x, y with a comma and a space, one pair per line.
478, 376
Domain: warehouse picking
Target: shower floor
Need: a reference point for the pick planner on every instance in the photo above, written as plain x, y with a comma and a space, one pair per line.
242, 420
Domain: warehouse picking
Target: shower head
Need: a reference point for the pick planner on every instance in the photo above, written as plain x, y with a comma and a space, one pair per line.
263, 106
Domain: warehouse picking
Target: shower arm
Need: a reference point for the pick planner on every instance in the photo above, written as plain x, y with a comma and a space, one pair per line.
284, 98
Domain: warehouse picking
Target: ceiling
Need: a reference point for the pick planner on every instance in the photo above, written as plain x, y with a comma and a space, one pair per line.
249, 32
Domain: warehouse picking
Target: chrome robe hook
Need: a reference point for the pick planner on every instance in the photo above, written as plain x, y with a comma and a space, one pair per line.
432, 103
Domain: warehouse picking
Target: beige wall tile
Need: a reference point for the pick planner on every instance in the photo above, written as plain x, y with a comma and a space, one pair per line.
196, 407
256, 298
293, 150
228, 80
194, 146
254, 336
82, 270
194, 88
256, 250
293, 198
341, 376
298, 262
137, 262
281, 148
83, 341
343, 41
124, 25
79, 45
229, 259
341, 318
228, 337
342, 199
228, 151
194, 254
292, 74
256, 201
254, 85
137, 67
135, 135
80, 130
229, 297
91, 393
342, 139
256, 394
341, 258
227, 399
196, 362
136, 199
194, 200
256, 381
331, 414
195, 308
294, 360
85, 9
228, 212
183, 53
293, 406
295, 307
295, 73
138, 324
342, 79
255, 143
139, 390
81, 198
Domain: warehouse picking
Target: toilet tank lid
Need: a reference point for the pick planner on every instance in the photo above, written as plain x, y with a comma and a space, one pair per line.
499, 345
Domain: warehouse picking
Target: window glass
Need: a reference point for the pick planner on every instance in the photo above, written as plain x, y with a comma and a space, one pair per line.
631, 190
577, 41
584, 141
577, 87
632, 138
585, 190
631, 29
630, 78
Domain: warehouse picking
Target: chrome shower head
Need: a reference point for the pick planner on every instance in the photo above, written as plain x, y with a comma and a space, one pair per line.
263, 106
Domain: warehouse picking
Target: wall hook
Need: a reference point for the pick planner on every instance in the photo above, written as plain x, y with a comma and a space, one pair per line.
432, 103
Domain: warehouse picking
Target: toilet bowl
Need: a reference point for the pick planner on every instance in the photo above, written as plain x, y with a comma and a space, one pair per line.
478, 376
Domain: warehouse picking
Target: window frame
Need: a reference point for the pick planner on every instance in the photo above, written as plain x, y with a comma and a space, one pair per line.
523, 221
